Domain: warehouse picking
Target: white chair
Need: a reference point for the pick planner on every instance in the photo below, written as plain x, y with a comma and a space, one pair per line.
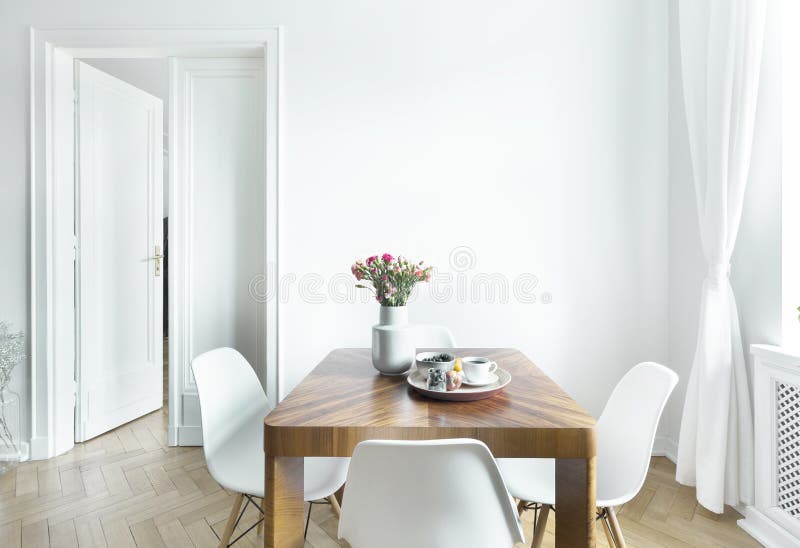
427, 494
433, 336
625, 434
232, 411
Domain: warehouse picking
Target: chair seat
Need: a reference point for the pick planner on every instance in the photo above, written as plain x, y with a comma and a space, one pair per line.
531, 480
625, 433
534, 480
434, 493
323, 476
239, 469
238, 465
232, 410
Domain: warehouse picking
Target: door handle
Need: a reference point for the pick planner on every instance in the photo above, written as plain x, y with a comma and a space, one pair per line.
157, 257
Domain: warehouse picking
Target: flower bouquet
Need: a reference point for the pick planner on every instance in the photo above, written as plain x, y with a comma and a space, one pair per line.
391, 279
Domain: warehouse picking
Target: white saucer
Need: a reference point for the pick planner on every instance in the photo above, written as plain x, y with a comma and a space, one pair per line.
465, 393
492, 378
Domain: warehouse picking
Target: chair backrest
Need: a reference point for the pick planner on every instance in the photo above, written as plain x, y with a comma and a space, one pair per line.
439, 493
627, 428
230, 396
433, 336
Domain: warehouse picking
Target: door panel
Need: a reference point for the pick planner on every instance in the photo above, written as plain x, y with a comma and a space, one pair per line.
120, 180
217, 224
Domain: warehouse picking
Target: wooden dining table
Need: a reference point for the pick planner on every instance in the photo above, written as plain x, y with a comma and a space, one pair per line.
344, 401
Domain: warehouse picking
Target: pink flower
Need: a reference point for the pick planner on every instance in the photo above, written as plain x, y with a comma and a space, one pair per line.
390, 289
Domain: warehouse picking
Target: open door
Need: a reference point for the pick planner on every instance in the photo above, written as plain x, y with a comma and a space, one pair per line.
119, 278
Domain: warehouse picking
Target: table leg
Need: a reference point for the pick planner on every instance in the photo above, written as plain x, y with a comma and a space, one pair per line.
283, 502
575, 502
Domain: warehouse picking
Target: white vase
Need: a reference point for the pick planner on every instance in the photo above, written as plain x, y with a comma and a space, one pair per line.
393, 345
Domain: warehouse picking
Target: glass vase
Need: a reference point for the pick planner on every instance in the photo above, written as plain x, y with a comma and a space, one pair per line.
9, 429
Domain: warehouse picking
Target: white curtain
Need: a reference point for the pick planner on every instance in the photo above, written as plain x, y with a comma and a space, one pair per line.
721, 43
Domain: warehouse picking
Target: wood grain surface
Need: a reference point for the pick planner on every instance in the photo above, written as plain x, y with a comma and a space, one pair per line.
344, 401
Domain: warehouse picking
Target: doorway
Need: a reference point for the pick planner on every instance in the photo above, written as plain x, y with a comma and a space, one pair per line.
119, 244
221, 207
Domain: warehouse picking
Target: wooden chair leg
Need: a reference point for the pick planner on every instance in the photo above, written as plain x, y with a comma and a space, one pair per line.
335, 505
607, 530
263, 516
541, 525
615, 528
520, 506
237, 506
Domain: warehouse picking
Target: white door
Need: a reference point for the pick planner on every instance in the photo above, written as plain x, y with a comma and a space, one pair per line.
119, 234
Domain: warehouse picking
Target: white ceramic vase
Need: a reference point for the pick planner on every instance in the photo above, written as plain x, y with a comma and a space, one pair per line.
393, 345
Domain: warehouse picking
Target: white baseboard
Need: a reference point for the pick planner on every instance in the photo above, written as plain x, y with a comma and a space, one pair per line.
189, 435
39, 448
24, 451
766, 531
172, 436
665, 447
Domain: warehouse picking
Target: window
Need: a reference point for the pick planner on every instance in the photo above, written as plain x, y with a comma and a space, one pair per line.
790, 193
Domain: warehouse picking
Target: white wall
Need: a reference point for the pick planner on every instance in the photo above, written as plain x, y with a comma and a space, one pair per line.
755, 266
533, 132
544, 154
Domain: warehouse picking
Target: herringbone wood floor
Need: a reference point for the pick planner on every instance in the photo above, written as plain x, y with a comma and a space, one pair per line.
127, 488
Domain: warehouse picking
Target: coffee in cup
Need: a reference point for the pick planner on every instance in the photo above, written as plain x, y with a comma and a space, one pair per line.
477, 369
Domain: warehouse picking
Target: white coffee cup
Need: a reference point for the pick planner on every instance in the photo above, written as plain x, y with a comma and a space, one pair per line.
478, 369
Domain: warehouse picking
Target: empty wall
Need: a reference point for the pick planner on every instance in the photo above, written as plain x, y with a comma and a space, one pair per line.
533, 135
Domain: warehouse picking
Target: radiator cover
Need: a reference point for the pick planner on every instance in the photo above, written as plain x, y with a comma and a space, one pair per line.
774, 517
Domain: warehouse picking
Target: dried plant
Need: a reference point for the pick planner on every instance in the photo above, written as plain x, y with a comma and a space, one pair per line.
12, 351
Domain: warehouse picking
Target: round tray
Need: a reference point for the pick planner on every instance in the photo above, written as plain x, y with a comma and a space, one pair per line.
465, 393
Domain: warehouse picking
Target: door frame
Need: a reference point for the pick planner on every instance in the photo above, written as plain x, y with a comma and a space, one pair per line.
52, 292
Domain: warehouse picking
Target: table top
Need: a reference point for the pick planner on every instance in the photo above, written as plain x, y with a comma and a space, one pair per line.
345, 400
